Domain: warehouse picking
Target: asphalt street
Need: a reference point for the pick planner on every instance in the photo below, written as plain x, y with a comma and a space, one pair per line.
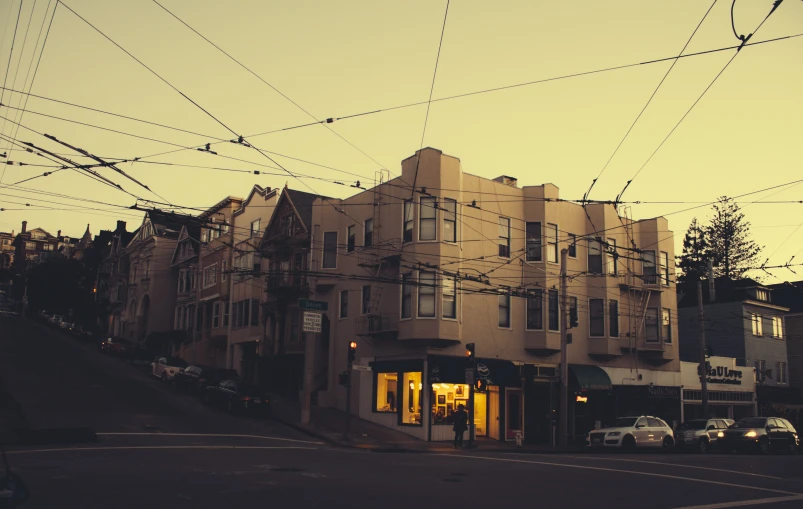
159, 448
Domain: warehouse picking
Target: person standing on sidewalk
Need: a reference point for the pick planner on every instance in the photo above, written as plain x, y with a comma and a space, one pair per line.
460, 426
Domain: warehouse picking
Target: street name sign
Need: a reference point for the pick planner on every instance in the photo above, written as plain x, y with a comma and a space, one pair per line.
313, 305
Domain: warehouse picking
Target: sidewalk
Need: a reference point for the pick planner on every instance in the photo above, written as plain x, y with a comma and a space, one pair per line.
328, 424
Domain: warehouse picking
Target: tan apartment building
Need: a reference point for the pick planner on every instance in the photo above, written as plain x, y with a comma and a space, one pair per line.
247, 289
415, 274
185, 266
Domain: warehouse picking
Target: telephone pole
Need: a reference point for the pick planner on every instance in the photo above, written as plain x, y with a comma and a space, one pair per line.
563, 408
703, 369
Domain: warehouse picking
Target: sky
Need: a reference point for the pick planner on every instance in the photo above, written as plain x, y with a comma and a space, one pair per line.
335, 59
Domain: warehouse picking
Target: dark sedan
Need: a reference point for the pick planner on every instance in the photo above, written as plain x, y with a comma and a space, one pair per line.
236, 396
764, 434
214, 376
192, 378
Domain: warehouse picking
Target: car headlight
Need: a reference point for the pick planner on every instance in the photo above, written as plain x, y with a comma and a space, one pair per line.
751, 434
614, 434
721, 435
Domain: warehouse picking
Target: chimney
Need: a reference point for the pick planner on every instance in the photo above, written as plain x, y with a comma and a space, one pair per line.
120, 226
58, 233
24, 226
507, 180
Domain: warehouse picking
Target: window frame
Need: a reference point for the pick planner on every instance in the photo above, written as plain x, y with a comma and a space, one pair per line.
224, 265
406, 293
422, 218
254, 313
213, 277
666, 324
594, 247
504, 249
550, 301
257, 223
592, 318
657, 326
368, 233
408, 219
444, 294
365, 304
572, 248
428, 286
647, 263
613, 318
216, 315
611, 257
757, 324
531, 241
351, 238
552, 247
375, 392
453, 221
777, 327
343, 305
534, 295
663, 263
332, 250
504, 297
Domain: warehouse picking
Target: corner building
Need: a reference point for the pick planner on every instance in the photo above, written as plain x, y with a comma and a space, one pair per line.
413, 275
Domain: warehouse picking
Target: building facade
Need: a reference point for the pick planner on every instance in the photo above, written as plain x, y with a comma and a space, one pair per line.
731, 389
6, 249
185, 267
416, 274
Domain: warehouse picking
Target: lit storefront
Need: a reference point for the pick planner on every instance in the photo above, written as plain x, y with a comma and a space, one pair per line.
731, 389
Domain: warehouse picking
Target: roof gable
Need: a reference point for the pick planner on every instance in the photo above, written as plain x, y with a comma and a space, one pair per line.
287, 220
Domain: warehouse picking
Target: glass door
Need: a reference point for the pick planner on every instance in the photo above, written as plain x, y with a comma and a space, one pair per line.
480, 414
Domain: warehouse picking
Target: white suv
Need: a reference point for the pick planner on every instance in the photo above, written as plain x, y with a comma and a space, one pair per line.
628, 433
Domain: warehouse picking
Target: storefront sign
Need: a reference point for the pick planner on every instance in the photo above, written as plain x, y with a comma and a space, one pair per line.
721, 375
312, 322
661, 392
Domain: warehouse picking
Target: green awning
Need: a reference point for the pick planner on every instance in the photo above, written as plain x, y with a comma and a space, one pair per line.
592, 378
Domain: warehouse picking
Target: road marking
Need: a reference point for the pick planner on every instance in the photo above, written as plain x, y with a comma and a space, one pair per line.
210, 435
686, 466
601, 469
744, 503
146, 447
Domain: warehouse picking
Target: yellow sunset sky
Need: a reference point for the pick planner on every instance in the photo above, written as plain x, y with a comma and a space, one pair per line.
339, 58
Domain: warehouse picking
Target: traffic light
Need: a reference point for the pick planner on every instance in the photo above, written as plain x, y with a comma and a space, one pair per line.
470, 351
573, 320
481, 385
352, 351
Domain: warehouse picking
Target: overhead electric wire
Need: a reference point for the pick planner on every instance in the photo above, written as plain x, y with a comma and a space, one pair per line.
22, 49
5, 78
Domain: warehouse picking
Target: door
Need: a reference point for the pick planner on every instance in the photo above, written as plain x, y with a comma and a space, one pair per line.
493, 413
657, 432
514, 413
778, 434
641, 432
480, 414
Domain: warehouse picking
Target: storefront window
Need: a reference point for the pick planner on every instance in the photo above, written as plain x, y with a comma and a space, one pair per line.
386, 392
446, 398
413, 387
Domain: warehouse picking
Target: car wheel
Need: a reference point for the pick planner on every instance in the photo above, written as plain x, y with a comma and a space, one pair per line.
705, 445
764, 446
792, 447
628, 444
669, 444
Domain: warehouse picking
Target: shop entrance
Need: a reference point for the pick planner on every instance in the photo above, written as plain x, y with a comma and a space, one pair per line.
514, 413
480, 414
493, 413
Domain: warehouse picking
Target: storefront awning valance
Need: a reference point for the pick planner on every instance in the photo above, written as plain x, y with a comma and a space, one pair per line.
591, 378
397, 366
452, 369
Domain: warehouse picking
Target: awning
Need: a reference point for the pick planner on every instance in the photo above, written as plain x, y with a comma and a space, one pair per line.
591, 378
452, 369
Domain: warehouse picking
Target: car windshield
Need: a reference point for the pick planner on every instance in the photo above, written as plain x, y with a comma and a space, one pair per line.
625, 422
693, 425
755, 422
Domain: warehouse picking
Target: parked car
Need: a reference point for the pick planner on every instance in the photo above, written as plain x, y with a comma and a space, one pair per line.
700, 434
215, 376
191, 378
628, 433
54, 319
236, 396
762, 434
115, 346
65, 325
165, 368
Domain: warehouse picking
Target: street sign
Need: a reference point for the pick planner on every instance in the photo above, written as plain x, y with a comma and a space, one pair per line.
313, 305
470, 376
358, 367
312, 322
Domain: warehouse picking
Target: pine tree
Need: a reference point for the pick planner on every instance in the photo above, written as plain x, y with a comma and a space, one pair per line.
693, 263
730, 246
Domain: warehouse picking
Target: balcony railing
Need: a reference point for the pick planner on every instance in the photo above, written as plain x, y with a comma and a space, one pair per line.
280, 279
377, 324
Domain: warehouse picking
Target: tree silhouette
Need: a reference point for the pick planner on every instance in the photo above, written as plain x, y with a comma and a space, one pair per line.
730, 246
693, 263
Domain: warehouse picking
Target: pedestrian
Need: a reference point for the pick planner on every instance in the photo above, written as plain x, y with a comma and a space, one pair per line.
460, 426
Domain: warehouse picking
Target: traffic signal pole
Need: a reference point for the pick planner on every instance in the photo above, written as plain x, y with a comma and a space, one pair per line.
563, 406
472, 353
352, 352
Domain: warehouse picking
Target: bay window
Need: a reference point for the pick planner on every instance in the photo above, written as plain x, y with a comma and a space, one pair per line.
552, 243
449, 220
407, 296
596, 317
554, 314
535, 309
533, 233
449, 305
426, 294
427, 218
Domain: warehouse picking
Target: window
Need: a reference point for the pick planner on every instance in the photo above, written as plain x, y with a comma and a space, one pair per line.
31, 246
533, 233
216, 315
344, 304
366, 299
449, 297
504, 308
612, 257
781, 368
413, 387
224, 271
246, 313
572, 245
504, 237
666, 325
552, 243
351, 237
387, 388
255, 228
596, 314
225, 314
449, 220
761, 374
665, 268
406, 296
535, 310
181, 281
47, 247
408, 221
651, 325
210, 275
573, 310
594, 257
613, 318
294, 331
762, 294
368, 233
777, 327
648, 267
330, 250
758, 326
176, 317
427, 215
554, 314
426, 294
254, 311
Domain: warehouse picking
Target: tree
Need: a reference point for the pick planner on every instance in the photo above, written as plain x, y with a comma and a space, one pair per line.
693, 263
730, 246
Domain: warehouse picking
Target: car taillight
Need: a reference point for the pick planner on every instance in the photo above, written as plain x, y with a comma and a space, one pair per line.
246, 398
201, 380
